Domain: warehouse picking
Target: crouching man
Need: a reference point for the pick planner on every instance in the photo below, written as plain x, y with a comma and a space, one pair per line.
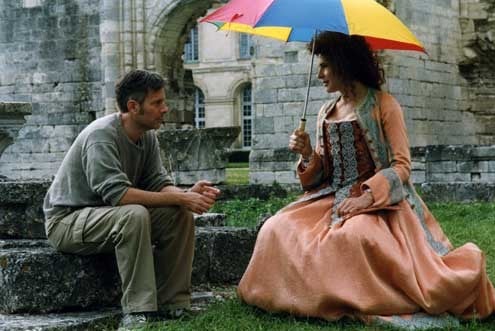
111, 193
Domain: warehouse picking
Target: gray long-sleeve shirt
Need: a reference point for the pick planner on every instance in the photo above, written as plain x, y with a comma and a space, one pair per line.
102, 163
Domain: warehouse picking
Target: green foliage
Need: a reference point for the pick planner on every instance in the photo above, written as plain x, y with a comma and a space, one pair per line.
248, 212
473, 222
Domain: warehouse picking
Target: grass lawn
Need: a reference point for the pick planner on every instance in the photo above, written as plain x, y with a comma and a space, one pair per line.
473, 222
237, 173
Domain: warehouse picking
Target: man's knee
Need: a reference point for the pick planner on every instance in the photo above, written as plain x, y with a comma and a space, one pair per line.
135, 218
186, 219
186, 214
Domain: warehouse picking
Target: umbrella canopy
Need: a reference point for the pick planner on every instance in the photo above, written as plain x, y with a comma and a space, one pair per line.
298, 20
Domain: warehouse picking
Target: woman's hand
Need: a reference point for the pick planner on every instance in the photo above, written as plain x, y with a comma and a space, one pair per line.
353, 205
299, 142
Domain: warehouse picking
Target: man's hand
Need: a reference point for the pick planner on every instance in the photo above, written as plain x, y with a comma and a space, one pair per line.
204, 187
201, 197
197, 203
352, 205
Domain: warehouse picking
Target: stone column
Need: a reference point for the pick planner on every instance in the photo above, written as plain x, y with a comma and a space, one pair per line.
110, 51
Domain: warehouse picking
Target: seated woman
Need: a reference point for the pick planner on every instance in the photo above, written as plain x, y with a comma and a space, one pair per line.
360, 242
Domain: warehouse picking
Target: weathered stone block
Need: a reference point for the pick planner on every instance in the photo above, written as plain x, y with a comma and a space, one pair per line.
21, 214
484, 152
210, 219
265, 125
36, 278
286, 177
27, 284
262, 177
418, 177
72, 321
448, 177
462, 192
196, 150
231, 249
448, 153
441, 167
418, 166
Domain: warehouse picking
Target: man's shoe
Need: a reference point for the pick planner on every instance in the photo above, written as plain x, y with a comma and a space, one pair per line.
135, 321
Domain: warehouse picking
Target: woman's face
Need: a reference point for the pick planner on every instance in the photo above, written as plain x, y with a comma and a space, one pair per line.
331, 82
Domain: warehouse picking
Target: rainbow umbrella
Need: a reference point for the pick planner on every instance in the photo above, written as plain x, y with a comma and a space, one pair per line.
301, 20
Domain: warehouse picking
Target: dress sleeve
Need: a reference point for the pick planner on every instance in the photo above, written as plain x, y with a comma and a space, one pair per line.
387, 184
312, 175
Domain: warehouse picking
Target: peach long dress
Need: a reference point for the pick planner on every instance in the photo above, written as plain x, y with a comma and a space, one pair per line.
380, 266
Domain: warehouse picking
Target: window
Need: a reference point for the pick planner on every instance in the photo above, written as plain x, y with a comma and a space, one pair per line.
245, 46
191, 48
199, 108
246, 116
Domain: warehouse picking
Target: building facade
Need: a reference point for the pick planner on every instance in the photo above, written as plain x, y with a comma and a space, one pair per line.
221, 65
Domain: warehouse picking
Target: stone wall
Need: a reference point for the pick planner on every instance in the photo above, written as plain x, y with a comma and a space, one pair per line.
453, 163
50, 57
65, 56
477, 64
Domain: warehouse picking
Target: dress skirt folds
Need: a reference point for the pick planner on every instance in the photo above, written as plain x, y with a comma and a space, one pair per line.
386, 265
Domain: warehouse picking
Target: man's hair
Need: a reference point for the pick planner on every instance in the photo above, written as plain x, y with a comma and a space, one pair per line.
136, 85
350, 58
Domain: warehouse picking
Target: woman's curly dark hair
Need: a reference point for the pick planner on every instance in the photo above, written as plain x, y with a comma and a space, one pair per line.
350, 58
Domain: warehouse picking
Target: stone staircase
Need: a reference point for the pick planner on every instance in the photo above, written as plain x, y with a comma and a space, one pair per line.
42, 289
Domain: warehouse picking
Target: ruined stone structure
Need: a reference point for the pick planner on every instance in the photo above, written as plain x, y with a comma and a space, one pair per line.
64, 58
477, 64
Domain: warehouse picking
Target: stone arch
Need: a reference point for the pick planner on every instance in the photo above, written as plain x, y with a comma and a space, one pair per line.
201, 84
236, 86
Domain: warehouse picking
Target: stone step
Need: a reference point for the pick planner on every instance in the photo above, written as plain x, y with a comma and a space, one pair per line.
36, 278
74, 321
210, 219
104, 319
21, 214
462, 192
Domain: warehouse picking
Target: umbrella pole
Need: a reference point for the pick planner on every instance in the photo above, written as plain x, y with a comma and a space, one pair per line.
302, 122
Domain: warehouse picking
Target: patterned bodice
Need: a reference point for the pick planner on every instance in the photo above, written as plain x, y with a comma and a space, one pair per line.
349, 161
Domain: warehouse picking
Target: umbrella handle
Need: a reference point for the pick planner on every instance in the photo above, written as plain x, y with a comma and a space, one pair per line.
302, 124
